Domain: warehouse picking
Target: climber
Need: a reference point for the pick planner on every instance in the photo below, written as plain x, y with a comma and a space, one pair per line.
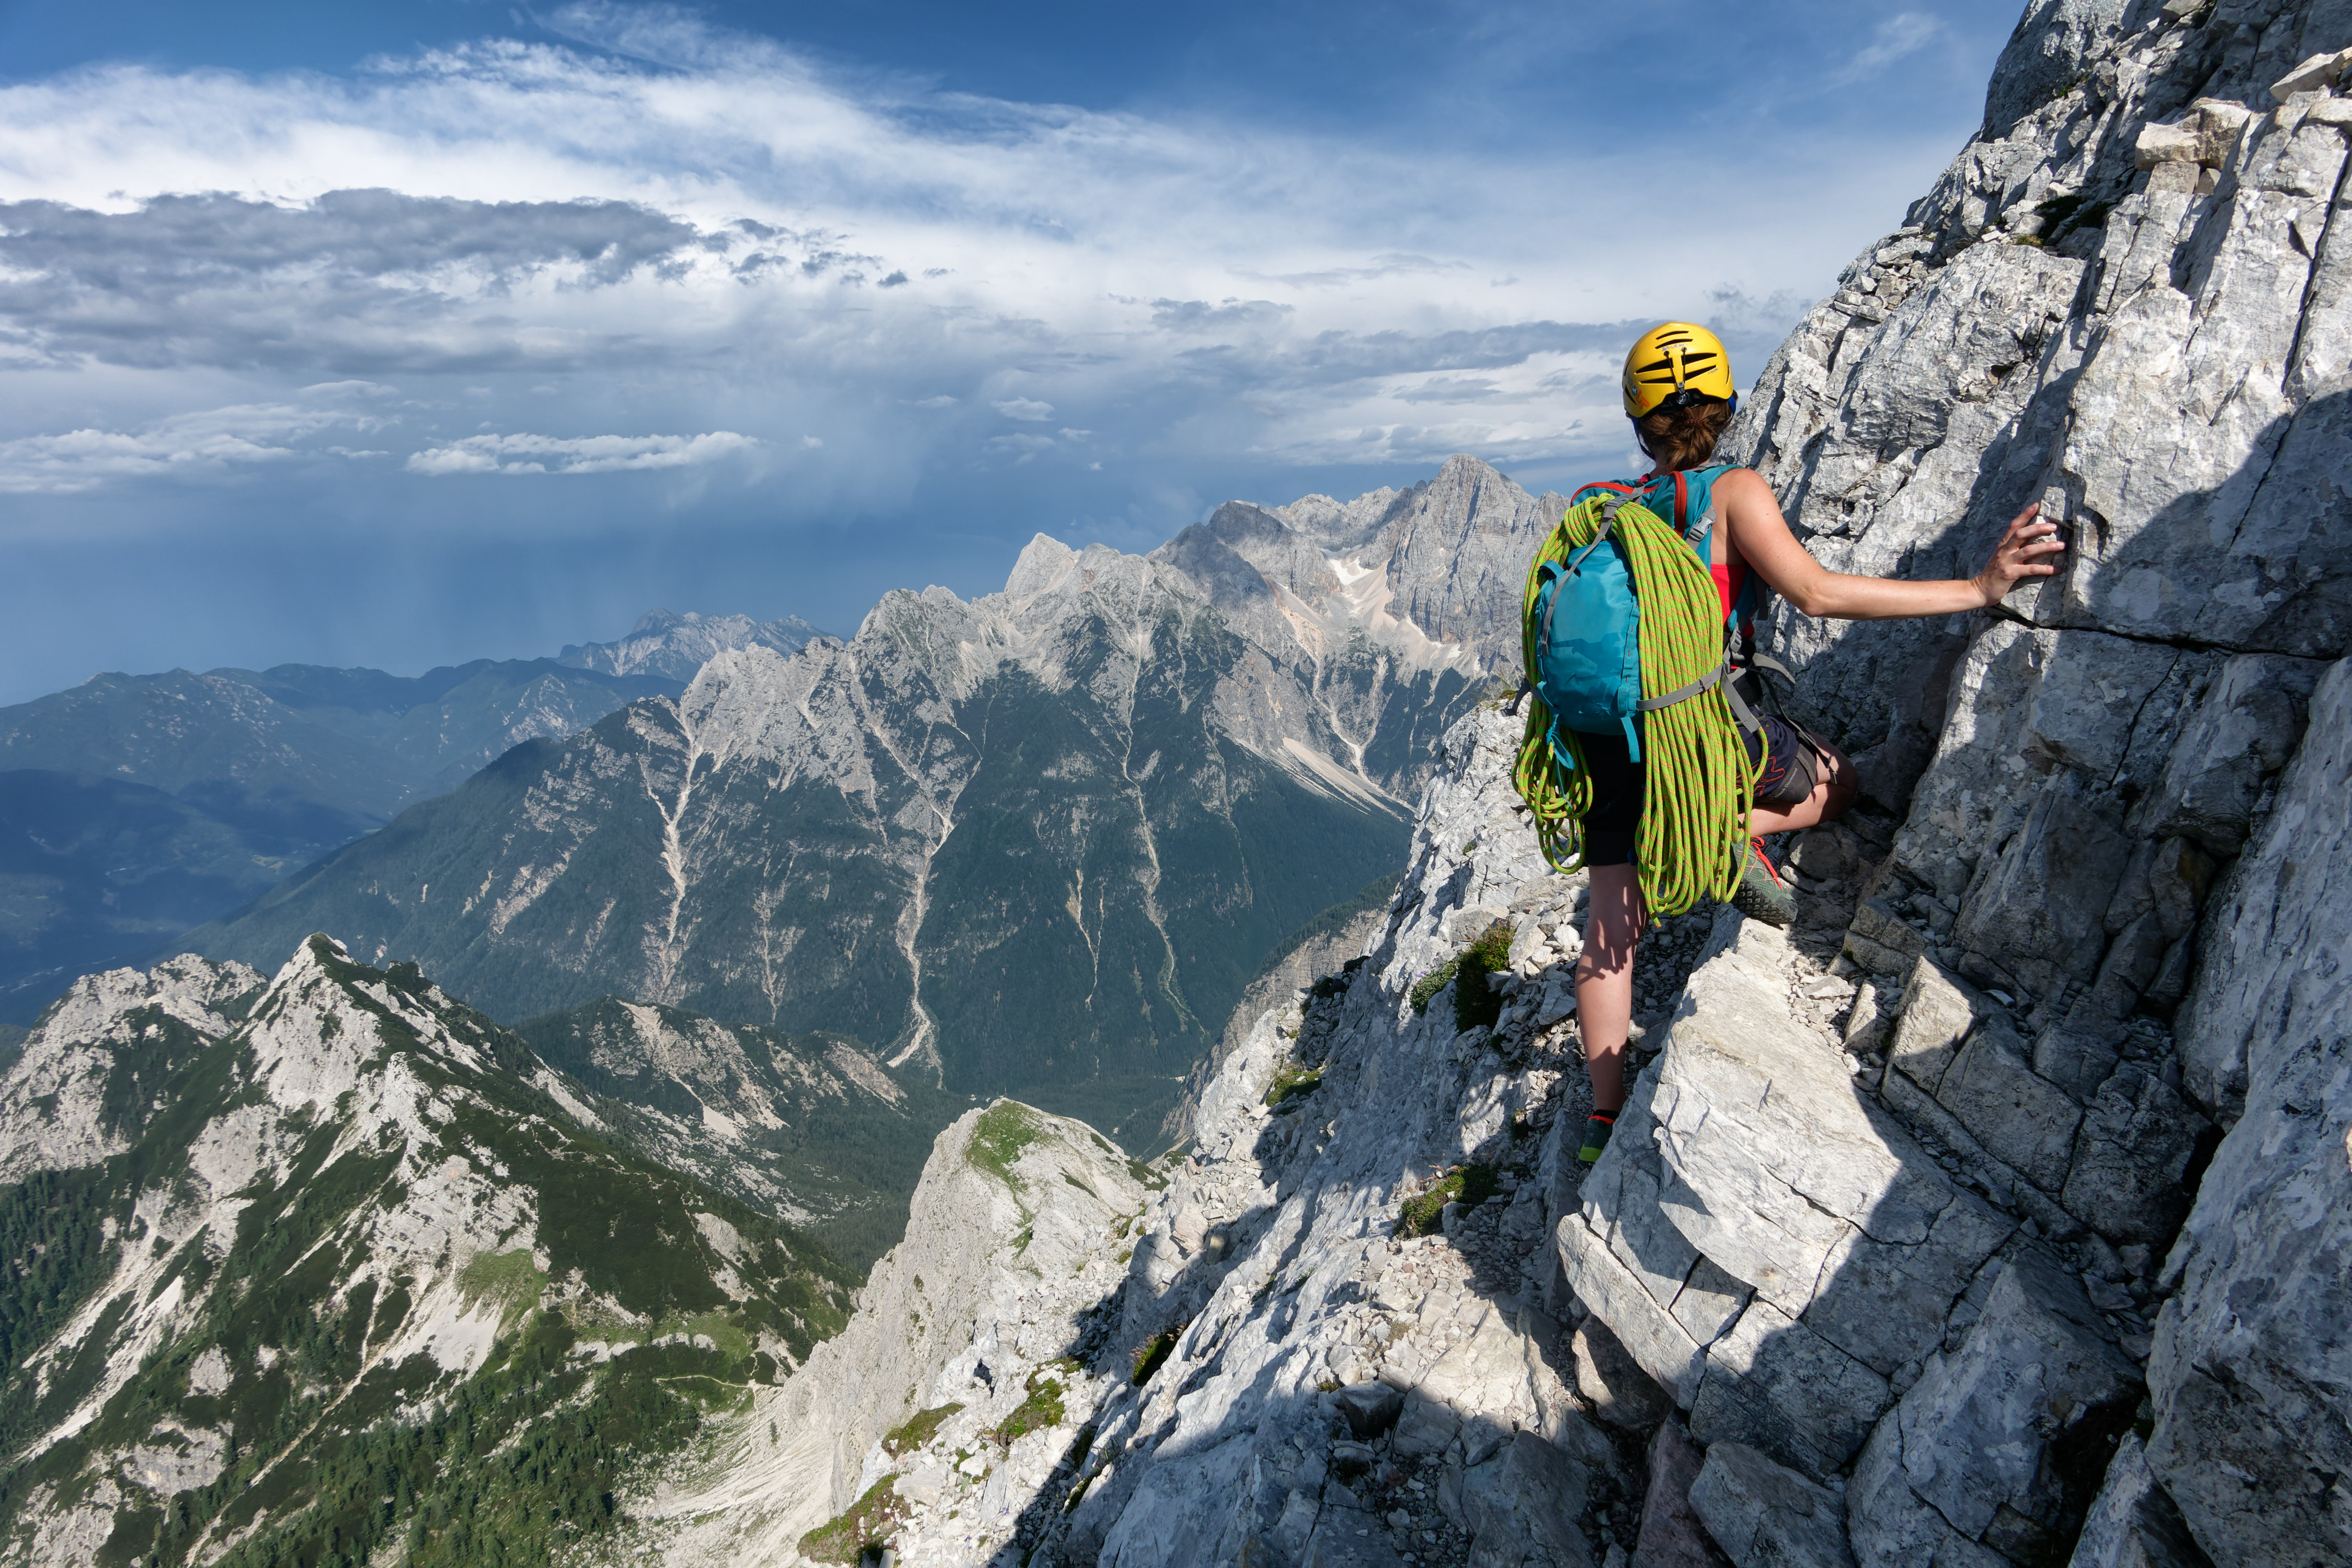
1679, 394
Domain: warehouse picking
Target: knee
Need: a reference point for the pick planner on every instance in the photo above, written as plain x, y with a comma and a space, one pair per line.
1841, 785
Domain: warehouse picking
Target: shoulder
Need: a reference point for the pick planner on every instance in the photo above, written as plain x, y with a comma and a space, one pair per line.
1744, 489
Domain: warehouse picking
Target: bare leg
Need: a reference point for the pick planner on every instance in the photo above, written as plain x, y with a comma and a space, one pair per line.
1833, 792
1614, 919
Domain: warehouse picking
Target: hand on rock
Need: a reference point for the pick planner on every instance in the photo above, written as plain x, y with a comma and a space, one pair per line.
2021, 553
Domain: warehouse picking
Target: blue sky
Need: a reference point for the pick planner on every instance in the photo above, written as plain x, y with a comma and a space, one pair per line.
401, 334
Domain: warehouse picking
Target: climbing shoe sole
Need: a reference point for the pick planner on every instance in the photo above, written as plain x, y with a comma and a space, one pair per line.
1761, 894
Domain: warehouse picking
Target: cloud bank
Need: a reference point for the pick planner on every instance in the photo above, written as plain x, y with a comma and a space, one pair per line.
668, 294
659, 211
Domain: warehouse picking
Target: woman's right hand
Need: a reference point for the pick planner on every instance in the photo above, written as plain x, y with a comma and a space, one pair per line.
2023, 552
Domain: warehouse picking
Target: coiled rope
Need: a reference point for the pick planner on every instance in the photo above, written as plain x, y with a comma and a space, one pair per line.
1699, 786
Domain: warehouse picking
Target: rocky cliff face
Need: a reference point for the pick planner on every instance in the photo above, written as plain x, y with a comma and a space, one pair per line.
1035, 843
953, 1399
2121, 301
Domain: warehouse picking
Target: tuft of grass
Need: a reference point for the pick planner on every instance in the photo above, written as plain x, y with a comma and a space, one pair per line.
1151, 1352
1472, 1184
917, 1430
862, 1532
1425, 989
1474, 1002
1043, 1407
1467, 971
1293, 1082
1004, 1130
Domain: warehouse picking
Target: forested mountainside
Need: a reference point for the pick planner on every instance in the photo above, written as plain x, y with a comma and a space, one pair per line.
137, 806
808, 1129
1038, 842
327, 1268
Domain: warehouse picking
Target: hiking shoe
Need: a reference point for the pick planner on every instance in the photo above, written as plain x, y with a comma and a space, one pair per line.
1597, 1129
1762, 895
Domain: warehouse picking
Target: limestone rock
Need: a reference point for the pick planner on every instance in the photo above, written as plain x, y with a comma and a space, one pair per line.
2133, 1524
1761, 1514
1672, 1534
1522, 1505
2253, 1354
1987, 1449
1613, 1383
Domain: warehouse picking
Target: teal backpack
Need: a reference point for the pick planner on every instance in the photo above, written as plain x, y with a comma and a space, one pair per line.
1588, 618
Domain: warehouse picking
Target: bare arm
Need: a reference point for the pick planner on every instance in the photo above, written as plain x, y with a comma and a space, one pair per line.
1760, 537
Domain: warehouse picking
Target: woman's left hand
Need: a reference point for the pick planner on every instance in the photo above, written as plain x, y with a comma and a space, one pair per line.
2023, 552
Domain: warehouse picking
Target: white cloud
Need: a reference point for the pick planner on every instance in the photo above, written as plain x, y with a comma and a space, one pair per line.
575, 454
1025, 408
1904, 33
209, 443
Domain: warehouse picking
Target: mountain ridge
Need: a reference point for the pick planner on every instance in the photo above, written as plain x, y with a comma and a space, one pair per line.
1037, 841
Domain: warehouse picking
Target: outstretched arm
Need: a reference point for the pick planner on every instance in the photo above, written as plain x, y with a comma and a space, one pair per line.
1762, 536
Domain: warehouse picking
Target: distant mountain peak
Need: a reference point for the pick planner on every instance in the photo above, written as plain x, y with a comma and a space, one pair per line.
676, 643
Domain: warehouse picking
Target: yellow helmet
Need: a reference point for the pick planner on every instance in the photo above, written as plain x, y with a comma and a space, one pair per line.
1674, 364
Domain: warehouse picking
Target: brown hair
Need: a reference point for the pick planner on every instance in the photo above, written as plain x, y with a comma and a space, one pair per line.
1679, 438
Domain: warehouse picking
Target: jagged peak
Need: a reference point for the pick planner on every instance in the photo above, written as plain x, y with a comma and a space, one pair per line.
1042, 564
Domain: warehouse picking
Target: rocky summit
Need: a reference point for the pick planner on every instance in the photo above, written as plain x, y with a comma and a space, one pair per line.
1999, 1212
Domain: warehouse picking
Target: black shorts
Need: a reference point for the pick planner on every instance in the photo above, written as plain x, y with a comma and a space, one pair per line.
1790, 766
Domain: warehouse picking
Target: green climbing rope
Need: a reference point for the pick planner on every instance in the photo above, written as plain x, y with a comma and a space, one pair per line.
1698, 785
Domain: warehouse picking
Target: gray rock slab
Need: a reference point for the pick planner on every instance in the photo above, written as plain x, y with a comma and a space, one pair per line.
1710, 1301
1523, 1505
2136, 1140
1972, 1455
1672, 1534
2134, 1523
2254, 1356
2025, 1120
1370, 1408
1765, 1515
1791, 1182
1937, 1012
1776, 1384
1616, 1295
2037, 913
2241, 736
1613, 1383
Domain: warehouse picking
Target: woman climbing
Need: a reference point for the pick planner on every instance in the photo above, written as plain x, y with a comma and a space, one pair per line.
1680, 395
